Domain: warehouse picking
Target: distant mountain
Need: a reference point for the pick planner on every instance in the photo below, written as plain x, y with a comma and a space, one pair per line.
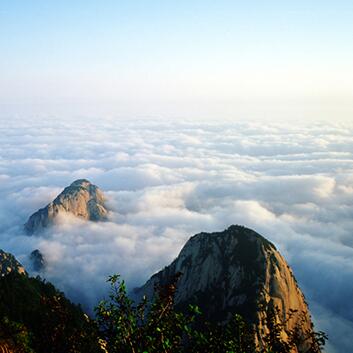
9, 264
37, 260
81, 199
236, 271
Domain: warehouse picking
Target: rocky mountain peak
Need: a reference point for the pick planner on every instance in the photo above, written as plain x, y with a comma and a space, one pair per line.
235, 271
82, 183
9, 264
37, 260
81, 199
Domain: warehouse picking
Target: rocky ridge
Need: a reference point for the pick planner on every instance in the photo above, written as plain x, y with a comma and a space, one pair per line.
9, 264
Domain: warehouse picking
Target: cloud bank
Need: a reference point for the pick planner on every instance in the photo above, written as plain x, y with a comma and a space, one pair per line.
166, 181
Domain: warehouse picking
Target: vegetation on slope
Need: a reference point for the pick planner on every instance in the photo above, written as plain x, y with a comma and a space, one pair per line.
37, 318
126, 327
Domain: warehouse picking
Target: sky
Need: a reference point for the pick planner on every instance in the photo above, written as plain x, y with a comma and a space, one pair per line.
237, 60
166, 181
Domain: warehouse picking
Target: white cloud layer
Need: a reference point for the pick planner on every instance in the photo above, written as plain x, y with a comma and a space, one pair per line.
167, 181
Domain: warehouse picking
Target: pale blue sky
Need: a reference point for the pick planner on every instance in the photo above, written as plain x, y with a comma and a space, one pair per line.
192, 59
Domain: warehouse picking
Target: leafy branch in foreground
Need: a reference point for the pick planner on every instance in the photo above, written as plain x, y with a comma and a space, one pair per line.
158, 327
35, 317
129, 328
14, 337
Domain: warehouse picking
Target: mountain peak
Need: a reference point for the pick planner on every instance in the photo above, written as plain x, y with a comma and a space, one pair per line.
81, 182
235, 271
81, 199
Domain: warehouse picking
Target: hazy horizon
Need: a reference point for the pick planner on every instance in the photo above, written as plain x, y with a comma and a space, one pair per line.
190, 60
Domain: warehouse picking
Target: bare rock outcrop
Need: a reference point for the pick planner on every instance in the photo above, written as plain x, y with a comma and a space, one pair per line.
236, 271
81, 199
9, 264
37, 260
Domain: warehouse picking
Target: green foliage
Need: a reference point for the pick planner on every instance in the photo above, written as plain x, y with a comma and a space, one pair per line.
129, 328
158, 327
234, 337
14, 336
36, 317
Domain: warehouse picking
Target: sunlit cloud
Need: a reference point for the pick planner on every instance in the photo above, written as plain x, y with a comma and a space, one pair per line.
166, 181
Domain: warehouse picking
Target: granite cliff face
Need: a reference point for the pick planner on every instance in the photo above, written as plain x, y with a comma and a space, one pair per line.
236, 271
9, 264
81, 199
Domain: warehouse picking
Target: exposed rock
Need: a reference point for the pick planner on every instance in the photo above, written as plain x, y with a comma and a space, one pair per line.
37, 260
81, 199
235, 271
9, 264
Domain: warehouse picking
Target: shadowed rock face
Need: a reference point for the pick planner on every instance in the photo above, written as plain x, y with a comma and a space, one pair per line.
235, 271
37, 260
9, 264
81, 199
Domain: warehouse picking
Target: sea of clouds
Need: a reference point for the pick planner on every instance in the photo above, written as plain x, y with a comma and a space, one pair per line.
166, 181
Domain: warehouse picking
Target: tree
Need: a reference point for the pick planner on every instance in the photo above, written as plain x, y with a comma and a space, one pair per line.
157, 327
36, 317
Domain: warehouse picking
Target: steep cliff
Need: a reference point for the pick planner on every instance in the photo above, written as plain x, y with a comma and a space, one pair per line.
237, 271
81, 199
